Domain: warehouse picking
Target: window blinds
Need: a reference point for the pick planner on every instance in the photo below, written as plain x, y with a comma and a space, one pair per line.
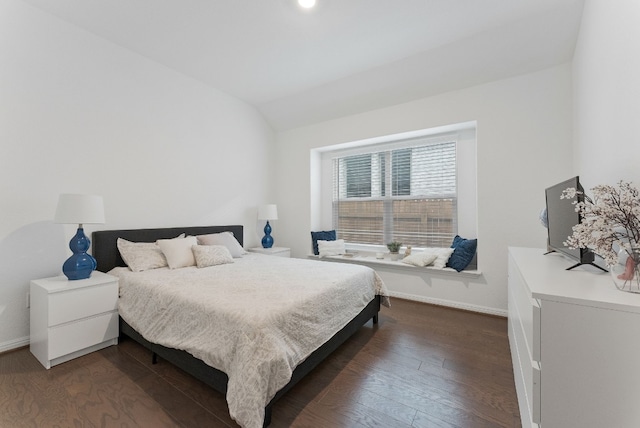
406, 194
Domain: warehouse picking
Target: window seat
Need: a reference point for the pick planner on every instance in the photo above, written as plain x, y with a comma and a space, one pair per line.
371, 261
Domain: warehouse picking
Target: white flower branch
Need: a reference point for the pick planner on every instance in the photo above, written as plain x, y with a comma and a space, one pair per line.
610, 220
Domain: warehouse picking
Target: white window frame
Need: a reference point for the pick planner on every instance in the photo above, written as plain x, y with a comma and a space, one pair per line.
465, 136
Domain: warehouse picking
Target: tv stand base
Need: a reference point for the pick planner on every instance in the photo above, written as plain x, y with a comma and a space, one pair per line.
592, 264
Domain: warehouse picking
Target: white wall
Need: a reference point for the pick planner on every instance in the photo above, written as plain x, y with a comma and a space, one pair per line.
80, 114
606, 74
524, 142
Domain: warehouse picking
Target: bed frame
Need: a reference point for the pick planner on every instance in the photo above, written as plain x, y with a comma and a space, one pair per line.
107, 255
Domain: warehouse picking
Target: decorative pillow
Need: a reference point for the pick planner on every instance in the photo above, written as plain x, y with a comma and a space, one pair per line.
211, 255
331, 248
141, 256
442, 256
178, 251
224, 238
324, 235
464, 250
420, 259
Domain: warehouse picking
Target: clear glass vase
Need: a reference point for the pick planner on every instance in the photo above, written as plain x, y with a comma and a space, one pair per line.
626, 273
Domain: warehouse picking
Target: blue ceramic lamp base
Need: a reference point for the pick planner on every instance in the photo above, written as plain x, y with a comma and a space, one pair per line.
80, 264
267, 240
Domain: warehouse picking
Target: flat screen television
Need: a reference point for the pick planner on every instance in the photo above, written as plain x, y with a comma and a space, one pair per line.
561, 217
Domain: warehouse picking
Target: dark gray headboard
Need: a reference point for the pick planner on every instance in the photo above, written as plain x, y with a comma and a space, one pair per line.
105, 249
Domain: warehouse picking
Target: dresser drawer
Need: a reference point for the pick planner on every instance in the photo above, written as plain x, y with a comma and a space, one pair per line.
526, 370
72, 337
524, 310
78, 303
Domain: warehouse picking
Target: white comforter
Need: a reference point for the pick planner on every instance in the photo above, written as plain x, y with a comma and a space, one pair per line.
255, 319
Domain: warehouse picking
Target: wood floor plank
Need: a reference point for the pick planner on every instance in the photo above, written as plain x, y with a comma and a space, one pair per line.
421, 366
400, 413
310, 415
486, 398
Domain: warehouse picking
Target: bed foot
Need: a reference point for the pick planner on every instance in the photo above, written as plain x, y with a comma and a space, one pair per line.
375, 319
154, 358
267, 416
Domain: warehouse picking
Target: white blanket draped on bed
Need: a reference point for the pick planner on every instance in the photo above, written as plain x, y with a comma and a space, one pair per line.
255, 319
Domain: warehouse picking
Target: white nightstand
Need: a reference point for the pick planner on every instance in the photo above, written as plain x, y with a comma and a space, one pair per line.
73, 318
273, 251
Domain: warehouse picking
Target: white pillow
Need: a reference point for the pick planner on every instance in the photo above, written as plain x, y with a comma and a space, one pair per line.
331, 248
211, 255
178, 251
420, 259
141, 256
224, 238
442, 256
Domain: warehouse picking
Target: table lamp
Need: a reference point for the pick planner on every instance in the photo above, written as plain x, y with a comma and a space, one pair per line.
267, 212
79, 209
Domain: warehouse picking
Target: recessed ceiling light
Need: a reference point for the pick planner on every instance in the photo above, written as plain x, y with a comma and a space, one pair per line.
307, 4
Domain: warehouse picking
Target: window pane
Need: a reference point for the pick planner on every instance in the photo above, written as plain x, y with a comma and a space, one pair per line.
359, 221
401, 172
424, 222
434, 170
358, 176
382, 179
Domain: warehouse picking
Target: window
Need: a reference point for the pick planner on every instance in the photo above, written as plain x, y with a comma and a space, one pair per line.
406, 194
417, 187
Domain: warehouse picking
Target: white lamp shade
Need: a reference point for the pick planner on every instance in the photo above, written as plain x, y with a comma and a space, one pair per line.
268, 212
79, 209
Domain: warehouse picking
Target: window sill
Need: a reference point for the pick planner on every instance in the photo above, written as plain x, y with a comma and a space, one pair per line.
373, 262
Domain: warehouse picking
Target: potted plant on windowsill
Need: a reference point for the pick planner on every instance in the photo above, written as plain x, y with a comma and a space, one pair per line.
394, 249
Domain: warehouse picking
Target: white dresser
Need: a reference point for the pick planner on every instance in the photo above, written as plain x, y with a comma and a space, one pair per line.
575, 344
72, 318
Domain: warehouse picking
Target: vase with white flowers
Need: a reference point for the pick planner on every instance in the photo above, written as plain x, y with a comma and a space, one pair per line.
610, 227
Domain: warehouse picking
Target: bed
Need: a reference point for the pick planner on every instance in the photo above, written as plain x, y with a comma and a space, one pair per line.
296, 356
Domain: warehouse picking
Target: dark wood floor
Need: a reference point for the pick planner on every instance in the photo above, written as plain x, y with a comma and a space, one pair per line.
421, 366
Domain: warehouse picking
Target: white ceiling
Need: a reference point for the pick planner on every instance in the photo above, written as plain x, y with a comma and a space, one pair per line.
300, 67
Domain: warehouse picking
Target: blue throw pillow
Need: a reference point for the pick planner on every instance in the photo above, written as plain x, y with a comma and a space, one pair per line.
464, 250
325, 235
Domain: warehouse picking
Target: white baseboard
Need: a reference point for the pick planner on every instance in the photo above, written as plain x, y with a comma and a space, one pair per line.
449, 303
14, 344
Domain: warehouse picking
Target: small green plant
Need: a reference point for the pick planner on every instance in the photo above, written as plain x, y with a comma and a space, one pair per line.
394, 247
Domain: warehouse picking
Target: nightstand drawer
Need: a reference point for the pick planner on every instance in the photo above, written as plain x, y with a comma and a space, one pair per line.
68, 338
82, 302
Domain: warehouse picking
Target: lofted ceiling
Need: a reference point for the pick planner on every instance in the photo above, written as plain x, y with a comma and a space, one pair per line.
300, 67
